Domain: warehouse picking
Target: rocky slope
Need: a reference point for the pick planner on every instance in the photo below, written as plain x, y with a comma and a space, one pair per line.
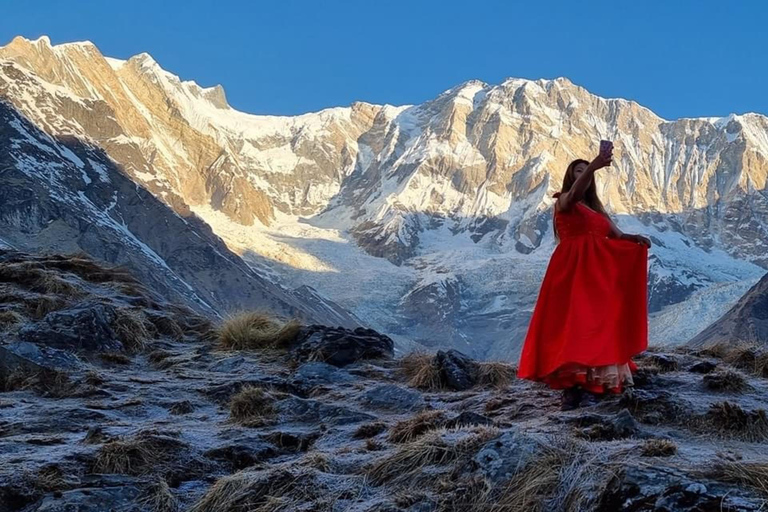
745, 323
111, 398
62, 194
427, 221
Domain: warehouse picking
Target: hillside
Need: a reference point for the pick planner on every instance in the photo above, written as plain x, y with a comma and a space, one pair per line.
113, 398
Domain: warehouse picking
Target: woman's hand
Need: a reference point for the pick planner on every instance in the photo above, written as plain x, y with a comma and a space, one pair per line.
638, 239
602, 160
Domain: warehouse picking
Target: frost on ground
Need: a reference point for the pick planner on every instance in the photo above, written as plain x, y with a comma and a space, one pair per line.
113, 399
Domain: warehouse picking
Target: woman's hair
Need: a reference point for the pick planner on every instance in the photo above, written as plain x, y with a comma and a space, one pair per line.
590, 196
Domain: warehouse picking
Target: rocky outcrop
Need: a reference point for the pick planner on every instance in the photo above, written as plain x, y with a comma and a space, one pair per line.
745, 323
85, 429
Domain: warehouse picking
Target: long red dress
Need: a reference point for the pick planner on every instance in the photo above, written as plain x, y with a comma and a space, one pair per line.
591, 315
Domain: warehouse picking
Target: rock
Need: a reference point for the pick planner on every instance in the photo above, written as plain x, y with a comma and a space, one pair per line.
467, 418
339, 346
501, 458
316, 373
636, 489
703, 367
391, 397
602, 428
665, 362
312, 411
292, 441
182, 407
457, 371
243, 454
228, 364
28, 357
85, 327
123, 498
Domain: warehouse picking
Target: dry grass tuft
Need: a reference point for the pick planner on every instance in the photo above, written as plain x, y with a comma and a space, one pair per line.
52, 478
254, 331
317, 460
745, 356
52, 284
437, 447
257, 491
496, 374
159, 498
558, 480
49, 383
130, 329
94, 378
9, 319
421, 371
749, 474
407, 430
142, 454
659, 448
726, 380
40, 306
166, 326
252, 406
730, 420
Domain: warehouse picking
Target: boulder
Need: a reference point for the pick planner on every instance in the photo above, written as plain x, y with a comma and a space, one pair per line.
643, 488
458, 371
503, 457
340, 346
703, 367
302, 410
85, 327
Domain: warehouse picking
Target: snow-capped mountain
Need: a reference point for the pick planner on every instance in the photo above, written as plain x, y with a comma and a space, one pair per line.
432, 221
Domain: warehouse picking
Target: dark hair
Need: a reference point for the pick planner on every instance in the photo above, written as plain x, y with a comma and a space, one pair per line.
590, 196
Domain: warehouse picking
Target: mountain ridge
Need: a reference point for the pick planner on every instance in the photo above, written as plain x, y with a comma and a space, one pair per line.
459, 183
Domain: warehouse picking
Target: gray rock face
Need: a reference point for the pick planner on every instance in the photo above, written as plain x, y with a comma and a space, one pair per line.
507, 455
85, 327
637, 489
25, 355
745, 323
391, 397
458, 371
340, 347
73, 197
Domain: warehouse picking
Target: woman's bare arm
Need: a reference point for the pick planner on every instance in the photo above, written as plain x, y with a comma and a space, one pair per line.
576, 193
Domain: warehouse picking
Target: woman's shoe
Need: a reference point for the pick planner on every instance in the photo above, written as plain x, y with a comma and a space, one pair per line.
570, 399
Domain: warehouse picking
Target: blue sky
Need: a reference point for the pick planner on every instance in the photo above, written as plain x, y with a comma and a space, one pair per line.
679, 58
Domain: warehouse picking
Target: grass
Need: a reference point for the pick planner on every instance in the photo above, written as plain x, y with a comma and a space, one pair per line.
421, 372
437, 447
49, 383
496, 374
749, 474
559, 479
256, 491
252, 406
730, 420
10, 319
159, 498
255, 331
142, 454
130, 329
407, 430
725, 380
744, 356
658, 448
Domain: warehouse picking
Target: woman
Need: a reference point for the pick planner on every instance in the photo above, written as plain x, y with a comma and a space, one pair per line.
591, 314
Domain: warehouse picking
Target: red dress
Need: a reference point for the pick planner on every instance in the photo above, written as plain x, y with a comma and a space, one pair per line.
591, 315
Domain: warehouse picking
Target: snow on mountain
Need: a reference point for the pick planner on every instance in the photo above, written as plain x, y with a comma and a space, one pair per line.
431, 222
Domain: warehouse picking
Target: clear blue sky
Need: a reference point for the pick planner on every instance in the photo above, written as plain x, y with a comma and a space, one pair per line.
681, 58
